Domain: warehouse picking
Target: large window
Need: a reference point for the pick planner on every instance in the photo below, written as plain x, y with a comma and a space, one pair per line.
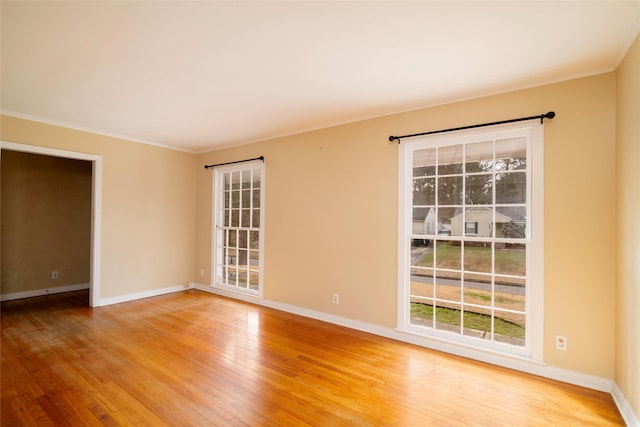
471, 238
238, 227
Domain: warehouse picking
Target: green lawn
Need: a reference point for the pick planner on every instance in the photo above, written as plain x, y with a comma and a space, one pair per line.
479, 322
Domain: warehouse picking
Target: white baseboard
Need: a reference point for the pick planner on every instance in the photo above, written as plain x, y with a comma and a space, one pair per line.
629, 417
140, 295
45, 291
512, 362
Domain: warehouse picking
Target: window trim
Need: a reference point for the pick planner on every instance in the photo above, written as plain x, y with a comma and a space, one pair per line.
534, 305
217, 201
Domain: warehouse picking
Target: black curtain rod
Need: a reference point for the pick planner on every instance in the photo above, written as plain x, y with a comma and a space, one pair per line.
237, 161
549, 115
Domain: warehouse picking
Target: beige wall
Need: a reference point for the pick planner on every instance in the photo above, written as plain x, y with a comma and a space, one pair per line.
627, 374
331, 213
46, 221
148, 206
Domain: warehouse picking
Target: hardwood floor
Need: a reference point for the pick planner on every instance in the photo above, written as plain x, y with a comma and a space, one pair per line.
192, 358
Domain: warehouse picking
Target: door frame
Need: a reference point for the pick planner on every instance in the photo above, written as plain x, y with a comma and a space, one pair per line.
96, 205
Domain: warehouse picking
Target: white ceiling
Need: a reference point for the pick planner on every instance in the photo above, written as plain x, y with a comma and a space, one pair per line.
204, 75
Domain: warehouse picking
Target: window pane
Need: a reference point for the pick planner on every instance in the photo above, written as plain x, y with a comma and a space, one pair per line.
235, 217
246, 179
448, 218
226, 182
422, 312
510, 297
254, 240
424, 162
477, 322
421, 253
255, 220
477, 289
424, 221
450, 190
235, 180
233, 241
424, 191
448, 289
256, 178
509, 328
243, 237
478, 257
246, 218
253, 280
232, 256
422, 276
254, 259
243, 257
448, 317
424, 171
511, 154
421, 292
235, 199
510, 259
511, 188
512, 222
479, 157
479, 189
448, 255
246, 199
450, 160
243, 276
256, 198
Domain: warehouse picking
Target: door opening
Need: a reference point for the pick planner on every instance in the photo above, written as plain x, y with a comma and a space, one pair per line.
95, 218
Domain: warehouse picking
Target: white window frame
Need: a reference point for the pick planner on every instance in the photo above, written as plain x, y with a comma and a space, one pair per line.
217, 224
533, 347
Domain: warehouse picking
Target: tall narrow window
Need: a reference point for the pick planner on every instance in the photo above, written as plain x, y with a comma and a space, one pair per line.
238, 227
471, 238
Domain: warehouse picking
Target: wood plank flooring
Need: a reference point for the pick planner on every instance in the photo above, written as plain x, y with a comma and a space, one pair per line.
196, 359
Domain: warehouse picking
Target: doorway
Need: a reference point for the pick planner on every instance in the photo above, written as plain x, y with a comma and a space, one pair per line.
95, 211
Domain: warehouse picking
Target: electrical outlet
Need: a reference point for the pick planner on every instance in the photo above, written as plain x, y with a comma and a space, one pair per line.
336, 299
561, 343
54, 274
202, 272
